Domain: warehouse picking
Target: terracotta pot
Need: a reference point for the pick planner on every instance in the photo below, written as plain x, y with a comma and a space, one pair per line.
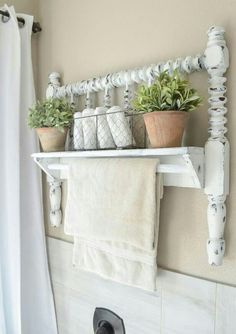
165, 128
52, 139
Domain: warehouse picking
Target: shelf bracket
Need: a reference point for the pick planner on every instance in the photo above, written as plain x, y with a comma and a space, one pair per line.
53, 179
195, 164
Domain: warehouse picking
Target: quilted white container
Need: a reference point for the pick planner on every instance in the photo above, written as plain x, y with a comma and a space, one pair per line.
78, 138
120, 128
89, 130
104, 136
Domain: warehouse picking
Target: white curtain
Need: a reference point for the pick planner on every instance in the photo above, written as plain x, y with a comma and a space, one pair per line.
26, 299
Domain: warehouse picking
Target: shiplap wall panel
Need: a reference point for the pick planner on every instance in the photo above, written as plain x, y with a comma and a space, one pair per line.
225, 310
181, 304
82, 292
188, 304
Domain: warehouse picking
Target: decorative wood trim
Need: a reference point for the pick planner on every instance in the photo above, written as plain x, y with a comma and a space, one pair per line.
54, 83
146, 74
54, 189
216, 59
55, 203
181, 166
216, 177
54, 183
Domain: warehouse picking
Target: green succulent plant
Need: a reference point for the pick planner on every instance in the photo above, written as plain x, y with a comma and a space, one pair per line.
53, 112
168, 92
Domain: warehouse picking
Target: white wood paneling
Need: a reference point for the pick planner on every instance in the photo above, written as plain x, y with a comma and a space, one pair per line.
77, 293
181, 304
225, 310
188, 304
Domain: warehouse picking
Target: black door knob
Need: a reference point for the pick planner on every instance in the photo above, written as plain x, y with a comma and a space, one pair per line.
105, 328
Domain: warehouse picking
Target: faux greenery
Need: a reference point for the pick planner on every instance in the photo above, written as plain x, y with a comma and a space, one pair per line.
56, 113
168, 92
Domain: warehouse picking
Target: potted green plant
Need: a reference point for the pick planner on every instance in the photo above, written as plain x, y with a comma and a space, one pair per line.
51, 119
166, 105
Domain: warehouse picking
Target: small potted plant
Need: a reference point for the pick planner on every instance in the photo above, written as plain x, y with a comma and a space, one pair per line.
166, 105
51, 119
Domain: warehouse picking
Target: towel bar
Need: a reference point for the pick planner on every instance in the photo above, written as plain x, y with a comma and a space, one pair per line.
181, 166
176, 169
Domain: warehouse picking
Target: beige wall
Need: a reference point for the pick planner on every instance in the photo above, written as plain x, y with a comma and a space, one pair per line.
23, 6
84, 38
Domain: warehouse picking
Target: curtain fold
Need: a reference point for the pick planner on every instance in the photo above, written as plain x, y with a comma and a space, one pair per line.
26, 299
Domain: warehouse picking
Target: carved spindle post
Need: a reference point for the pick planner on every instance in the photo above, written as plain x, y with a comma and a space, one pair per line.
55, 202
54, 83
217, 147
55, 186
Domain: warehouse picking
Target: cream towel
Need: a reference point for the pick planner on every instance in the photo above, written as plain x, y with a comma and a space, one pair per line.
113, 212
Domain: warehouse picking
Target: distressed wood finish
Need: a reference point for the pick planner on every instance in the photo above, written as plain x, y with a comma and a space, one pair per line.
54, 189
181, 166
54, 183
54, 83
216, 61
122, 79
55, 203
217, 147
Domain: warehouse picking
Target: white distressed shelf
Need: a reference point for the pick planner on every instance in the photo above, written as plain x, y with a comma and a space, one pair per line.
181, 166
195, 167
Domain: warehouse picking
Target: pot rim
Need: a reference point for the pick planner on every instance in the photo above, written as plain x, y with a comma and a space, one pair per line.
167, 112
51, 127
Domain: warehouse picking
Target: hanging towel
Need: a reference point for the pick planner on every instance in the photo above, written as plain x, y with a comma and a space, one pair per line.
78, 131
120, 128
113, 213
89, 129
104, 136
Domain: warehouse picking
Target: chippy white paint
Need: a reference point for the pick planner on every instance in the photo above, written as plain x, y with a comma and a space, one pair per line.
122, 79
55, 202
180, 166
183, 167
54, 190
216, 59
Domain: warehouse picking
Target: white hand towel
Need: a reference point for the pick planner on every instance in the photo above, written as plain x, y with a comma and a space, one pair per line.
113, 212
120, 128
104, 136
78, 132
89, 129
